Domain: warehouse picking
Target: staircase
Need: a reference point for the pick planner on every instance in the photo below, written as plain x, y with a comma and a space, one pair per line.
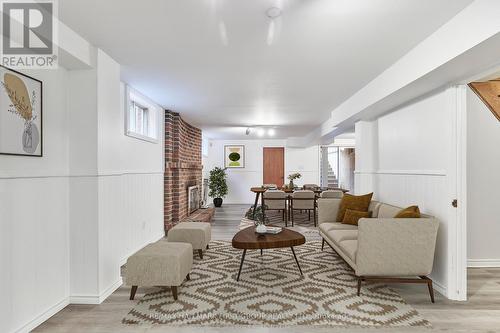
489, 92
333, 182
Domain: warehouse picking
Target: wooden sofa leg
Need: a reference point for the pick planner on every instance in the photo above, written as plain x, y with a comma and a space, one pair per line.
323, 244
429, 286
174, 292
359, 285
132, 292
200, 253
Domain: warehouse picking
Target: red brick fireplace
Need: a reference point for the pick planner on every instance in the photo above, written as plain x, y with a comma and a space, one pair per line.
183, 166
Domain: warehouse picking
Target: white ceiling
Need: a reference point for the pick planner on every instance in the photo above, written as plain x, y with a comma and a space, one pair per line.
210, 59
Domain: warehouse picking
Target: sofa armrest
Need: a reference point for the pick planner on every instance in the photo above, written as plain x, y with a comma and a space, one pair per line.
328, 210
396, 247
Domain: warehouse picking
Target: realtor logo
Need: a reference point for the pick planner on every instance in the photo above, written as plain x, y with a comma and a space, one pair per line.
28, 34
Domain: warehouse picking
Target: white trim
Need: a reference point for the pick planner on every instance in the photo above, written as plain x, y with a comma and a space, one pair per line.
492, 263
96, 299
110, 174
440, 288
402, 172
140, 136
461, 223
43, 316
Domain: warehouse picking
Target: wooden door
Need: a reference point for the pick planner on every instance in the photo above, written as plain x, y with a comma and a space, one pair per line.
274, 166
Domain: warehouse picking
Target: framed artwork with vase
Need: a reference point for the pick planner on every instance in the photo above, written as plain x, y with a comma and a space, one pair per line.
234, 156
20, 114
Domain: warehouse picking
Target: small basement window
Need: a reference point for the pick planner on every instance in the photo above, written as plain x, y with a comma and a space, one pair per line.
142, 116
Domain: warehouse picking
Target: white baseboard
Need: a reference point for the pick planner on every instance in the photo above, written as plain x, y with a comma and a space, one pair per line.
440, 289
43, 317
96, 299
483, 263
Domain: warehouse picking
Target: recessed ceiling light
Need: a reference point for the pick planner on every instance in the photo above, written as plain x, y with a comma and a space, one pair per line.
271, 132
273, 12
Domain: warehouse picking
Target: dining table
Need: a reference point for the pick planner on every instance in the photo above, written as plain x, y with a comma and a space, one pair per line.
260, 190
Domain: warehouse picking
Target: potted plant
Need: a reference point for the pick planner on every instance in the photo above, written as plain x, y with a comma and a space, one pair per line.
217, 185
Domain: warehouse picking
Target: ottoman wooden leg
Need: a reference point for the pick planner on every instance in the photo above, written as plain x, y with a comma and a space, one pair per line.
187, 277
174, 292
132, 292
207, 247
200, 253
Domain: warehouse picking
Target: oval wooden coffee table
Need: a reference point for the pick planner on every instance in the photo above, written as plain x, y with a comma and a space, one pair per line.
248, 239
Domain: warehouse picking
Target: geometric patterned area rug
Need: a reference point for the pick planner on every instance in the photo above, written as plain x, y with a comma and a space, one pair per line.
271, 292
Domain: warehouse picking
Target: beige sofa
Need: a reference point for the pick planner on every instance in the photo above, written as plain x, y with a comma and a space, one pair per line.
382, 248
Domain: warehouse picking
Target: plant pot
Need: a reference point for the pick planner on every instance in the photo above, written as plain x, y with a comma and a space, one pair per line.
217, 202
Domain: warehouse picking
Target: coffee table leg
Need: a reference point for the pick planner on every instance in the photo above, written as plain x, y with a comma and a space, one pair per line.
241, 264
260, 251
296, 260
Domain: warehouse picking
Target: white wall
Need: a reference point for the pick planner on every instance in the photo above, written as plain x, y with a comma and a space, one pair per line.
403, 157
34, 212
303, 160
483, 179
117, 199
68, 220
130, 181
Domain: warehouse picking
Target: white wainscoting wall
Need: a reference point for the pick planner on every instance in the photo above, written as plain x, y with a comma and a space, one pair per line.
403, 157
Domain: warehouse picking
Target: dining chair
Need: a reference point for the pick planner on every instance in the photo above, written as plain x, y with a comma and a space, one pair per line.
275, 200
311, 187
271, 186
332, 194
303, 200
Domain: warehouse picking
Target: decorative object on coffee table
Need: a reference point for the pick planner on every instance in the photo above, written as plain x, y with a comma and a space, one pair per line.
217, 185
248, 239
20, 114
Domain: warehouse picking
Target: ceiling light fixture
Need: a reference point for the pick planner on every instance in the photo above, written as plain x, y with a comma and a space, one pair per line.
273, 12
247, 132
271, 132
261, 132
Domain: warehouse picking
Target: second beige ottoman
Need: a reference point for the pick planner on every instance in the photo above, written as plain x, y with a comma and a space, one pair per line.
198, 234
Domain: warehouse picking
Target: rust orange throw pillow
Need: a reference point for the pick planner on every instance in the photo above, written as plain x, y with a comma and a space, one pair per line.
408, 212
354, 202
353, 216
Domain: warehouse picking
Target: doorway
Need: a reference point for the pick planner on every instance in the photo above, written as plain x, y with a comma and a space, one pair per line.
274, 166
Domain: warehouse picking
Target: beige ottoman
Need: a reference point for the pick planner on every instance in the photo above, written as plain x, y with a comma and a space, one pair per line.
159, 264
198, 234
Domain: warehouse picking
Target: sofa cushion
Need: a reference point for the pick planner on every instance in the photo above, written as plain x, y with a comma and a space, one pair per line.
341, 235
374, 206
350, 248
386, 211
408, 212
353, 216
326, 227
354, 202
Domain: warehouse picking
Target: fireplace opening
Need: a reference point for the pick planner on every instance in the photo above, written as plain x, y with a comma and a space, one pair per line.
193, 199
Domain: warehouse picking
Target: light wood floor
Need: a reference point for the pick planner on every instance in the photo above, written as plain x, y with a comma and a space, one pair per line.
481, 313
